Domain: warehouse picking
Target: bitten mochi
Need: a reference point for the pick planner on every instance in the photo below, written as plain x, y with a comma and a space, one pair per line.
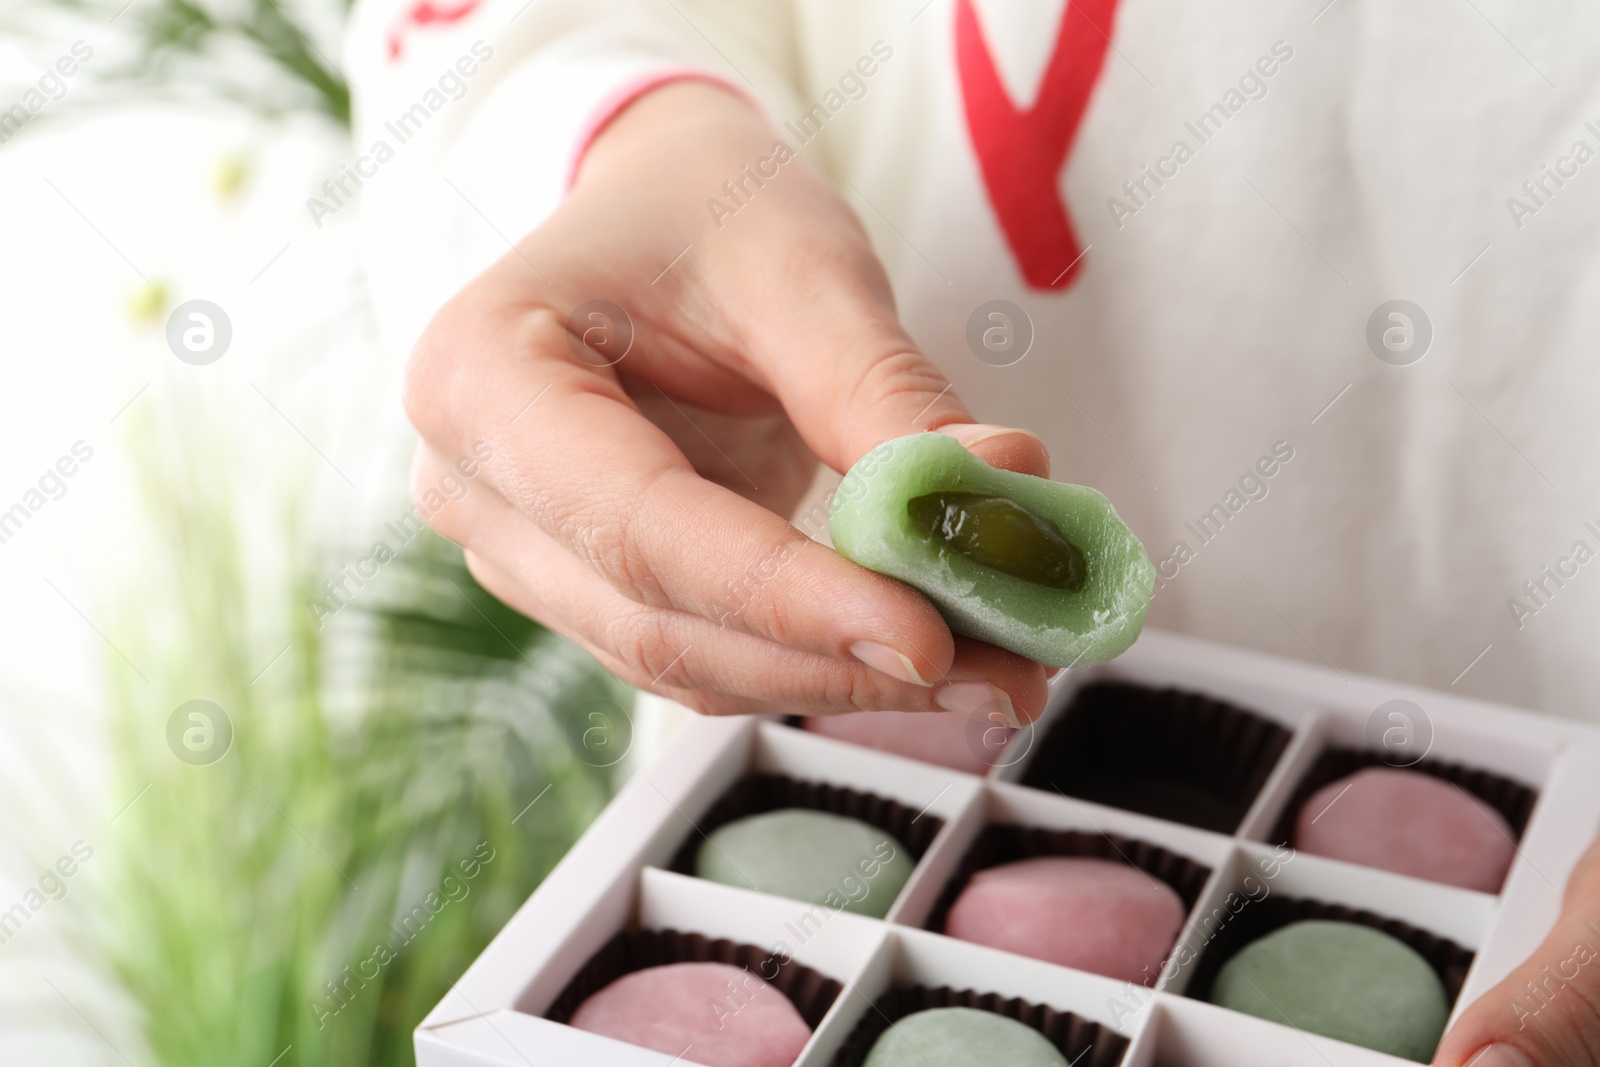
726, 1016
1340, 980
962, 1037
814, 856
880, 518
1410, 823
1092, 914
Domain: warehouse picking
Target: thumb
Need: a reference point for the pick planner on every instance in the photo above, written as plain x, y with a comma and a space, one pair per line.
850, 378
1547, 1011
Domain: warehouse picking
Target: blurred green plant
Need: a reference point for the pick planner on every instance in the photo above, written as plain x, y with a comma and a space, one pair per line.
272, 56
371, 759
303, 900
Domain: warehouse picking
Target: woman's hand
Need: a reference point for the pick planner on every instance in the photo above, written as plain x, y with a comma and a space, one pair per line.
1547, 1012
637, 508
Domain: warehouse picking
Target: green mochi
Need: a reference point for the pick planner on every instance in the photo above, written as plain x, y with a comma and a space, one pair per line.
1339, 980
870, 524
814, 856
962, 1037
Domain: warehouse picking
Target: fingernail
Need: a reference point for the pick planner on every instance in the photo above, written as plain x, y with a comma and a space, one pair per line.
977, 700
1051, 672
885, 659
1499, 1056
971, 433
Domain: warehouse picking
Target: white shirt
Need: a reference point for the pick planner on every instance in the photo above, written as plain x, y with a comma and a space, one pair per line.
1422, 521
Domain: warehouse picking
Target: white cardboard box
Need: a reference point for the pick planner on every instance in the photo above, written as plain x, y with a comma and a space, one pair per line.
614, 878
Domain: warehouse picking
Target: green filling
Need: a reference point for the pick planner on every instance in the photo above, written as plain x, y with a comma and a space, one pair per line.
993, 531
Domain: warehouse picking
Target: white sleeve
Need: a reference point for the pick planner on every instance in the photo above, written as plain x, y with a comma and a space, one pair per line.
470, 117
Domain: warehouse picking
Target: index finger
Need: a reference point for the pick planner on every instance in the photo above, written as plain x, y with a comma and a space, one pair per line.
572, 453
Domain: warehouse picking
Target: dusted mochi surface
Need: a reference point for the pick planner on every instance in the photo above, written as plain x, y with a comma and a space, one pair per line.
1092, 914
938, 737
962, 1037
666, 1008
1340, 980
1411, 823
814, 856
869, 525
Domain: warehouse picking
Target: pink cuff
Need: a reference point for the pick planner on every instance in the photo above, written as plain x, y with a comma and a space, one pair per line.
627, 93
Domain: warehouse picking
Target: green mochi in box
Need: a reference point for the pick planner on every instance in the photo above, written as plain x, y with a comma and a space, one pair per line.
962, 1037
1339, 980
814, 856
1041, 568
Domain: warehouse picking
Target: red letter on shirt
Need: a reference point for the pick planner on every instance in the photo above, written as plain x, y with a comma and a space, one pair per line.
1021, 153
426, 13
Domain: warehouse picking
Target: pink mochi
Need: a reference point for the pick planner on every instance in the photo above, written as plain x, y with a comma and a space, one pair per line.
709, 1013
1095, 915
944, 739
1410, 823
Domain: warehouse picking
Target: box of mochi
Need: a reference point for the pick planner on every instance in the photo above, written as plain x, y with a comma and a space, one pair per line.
1196, 857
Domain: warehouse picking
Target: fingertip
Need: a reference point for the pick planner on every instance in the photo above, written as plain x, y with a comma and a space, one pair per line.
985, 681
1496, 1055
1006, 447
922, 655
1029, 702
918, 655
890, 627
890, 661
